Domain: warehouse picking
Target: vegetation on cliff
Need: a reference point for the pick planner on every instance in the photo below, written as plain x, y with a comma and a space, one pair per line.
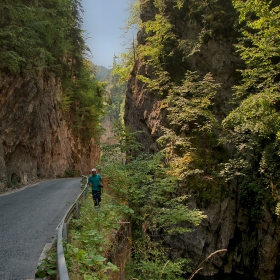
207, 152
156, 207
200, 153
189, 137
189, 98
47, 38
253, 127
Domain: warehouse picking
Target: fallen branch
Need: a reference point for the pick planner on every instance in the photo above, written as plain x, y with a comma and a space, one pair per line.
199, 266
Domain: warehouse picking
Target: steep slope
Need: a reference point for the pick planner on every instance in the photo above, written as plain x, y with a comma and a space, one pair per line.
252, 244
50, 101
216, 55
35, 139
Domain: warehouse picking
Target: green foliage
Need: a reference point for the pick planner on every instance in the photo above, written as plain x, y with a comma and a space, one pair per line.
256, 114
152, 195
90, 239
123, 65
190, 144
133, 20
259, 47
166, 48
158, 51
253, 127
125, 145
47, 268
150, 262
190, 103
217, 17
189, 139
45, 36
158, 208
41, 38
84, 101
157, 46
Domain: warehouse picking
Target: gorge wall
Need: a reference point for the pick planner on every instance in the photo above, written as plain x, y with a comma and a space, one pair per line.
36, 140
253, 246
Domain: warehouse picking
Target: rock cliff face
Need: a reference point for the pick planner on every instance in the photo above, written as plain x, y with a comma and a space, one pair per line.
253, 247
143, 106
35, 139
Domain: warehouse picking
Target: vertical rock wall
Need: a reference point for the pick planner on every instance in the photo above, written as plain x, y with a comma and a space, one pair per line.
35, 139
143, 111
120, 251
253, 248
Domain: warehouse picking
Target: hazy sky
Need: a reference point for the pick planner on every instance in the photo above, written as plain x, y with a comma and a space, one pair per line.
103, 20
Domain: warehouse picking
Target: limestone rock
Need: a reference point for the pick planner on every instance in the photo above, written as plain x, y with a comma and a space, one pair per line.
35, 139
253, 247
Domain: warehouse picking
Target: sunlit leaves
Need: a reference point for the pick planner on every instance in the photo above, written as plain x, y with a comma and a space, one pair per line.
134, 15
176, 212
253, 127
257, 115
123, 65
160, 34
191, 101
259, 47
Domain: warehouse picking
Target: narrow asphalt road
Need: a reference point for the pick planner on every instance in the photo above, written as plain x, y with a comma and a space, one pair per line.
28, 220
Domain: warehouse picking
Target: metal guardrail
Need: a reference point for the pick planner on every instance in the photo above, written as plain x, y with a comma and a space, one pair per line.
62, 271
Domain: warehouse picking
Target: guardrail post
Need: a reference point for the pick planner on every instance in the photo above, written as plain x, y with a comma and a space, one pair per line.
65, 231
84, 195
84, 180
77, 214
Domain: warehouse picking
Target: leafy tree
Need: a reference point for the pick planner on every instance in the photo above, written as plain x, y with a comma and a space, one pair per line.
41, 36
253, 127
259, 47
166, 48
158, 207
157, 51
190, 132
84, 99
133, 21
48, 38
189, 142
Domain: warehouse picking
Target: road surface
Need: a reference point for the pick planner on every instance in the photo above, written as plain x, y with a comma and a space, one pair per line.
28, 221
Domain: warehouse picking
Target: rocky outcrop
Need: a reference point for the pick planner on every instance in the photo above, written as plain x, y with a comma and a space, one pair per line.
143, 110
120, 251
35, 139
253, 246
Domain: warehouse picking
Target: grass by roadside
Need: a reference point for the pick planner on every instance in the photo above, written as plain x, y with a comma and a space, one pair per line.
47, 269
91, 237
90, 240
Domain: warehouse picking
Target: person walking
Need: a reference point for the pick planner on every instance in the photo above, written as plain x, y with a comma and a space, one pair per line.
94, 181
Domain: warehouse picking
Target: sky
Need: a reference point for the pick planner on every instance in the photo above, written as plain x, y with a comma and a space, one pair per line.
103, 21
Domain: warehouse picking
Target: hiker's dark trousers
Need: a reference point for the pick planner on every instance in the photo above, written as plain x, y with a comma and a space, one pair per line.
96, 196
